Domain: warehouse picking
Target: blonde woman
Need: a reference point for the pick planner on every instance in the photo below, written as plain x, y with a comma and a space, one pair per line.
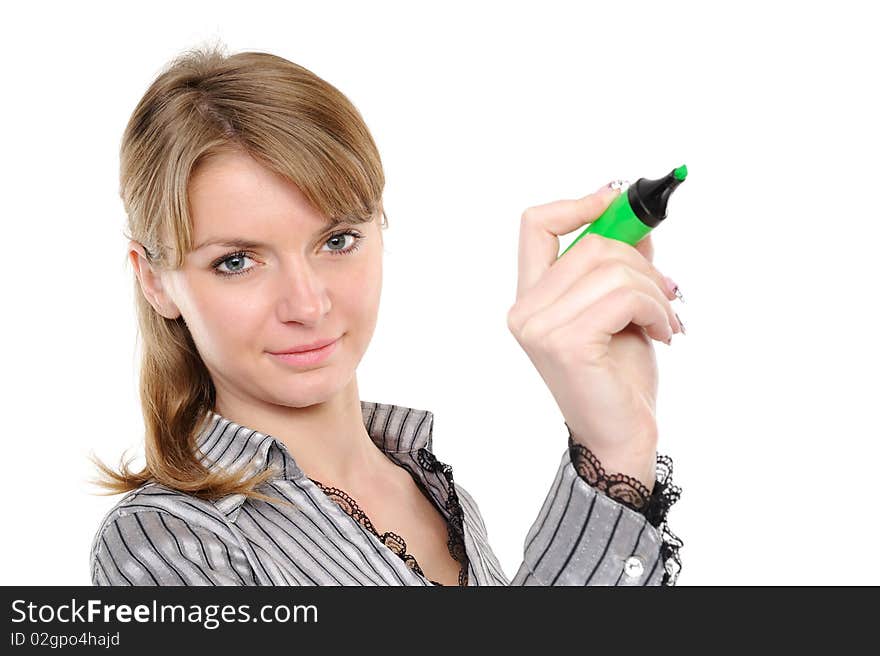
253, 191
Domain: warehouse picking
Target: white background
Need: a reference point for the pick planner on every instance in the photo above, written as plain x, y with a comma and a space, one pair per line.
481, 109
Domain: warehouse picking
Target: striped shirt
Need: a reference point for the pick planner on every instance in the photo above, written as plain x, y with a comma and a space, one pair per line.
156, 535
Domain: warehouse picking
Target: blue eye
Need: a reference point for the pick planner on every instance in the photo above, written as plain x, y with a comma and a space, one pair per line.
231, 258
244, 255
354, 246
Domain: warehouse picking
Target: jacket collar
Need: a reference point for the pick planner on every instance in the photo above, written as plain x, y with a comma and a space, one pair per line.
397, 430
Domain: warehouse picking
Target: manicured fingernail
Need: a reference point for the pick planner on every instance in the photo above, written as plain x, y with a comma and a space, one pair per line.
681, 323
673, 288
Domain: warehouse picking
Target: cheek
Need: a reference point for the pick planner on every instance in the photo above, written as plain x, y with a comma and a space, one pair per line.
355, 299
221, 322
365, 288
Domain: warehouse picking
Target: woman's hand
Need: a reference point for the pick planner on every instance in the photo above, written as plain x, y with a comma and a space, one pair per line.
586, 322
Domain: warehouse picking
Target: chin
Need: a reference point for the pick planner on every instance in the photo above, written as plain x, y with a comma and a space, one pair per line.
307, 388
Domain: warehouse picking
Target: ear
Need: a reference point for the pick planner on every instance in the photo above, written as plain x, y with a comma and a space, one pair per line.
150, 281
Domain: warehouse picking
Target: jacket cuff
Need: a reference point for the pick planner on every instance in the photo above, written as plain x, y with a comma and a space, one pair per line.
583, 537
633, 494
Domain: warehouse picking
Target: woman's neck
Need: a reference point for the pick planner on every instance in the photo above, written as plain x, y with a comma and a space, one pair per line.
328, 440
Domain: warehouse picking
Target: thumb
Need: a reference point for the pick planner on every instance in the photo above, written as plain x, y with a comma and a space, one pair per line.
646, 247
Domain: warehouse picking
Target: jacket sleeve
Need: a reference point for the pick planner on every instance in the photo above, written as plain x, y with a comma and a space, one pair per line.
155, 547
581, 536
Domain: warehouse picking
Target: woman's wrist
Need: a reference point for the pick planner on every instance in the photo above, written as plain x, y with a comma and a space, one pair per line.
622, 461
654, 504
620, 487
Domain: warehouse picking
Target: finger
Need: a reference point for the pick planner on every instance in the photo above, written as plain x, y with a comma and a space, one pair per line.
608, 277
541, 226
587, 254
603, 280
590, 333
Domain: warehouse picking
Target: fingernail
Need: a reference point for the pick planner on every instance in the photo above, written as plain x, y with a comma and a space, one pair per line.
681, 323
673, 288
614, 185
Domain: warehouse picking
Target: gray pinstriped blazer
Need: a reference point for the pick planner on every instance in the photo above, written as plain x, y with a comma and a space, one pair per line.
159, 536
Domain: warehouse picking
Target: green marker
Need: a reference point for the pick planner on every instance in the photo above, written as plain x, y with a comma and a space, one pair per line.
634, 214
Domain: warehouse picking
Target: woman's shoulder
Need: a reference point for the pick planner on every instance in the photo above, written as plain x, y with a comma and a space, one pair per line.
157, 535
159, 501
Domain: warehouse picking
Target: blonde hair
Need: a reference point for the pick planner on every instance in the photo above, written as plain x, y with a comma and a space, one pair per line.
203, 103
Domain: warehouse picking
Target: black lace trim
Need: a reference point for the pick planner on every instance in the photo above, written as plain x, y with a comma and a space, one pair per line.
633, 494
664, 495
394, 541
429, 462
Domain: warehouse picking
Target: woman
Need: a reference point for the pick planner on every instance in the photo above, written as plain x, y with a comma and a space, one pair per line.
253, 191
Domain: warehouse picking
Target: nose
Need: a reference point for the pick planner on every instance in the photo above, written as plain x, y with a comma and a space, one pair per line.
302, 295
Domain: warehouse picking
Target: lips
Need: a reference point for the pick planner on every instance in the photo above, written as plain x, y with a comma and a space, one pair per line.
306, 347
307, 359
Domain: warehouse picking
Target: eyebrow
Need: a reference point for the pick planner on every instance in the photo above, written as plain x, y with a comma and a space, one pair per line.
234, 242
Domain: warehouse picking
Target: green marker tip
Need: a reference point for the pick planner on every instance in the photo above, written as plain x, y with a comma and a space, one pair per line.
681, 172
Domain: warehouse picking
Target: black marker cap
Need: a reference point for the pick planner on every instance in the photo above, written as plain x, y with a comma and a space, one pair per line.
648, 198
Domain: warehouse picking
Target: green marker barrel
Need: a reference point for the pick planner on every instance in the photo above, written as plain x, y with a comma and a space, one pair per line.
633, 214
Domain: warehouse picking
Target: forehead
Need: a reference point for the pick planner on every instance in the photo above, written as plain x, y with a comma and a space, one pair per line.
232, 192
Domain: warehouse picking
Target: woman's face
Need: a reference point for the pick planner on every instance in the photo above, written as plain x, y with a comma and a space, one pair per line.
297, 283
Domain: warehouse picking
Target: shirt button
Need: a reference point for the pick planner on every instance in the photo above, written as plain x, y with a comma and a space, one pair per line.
634, 567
